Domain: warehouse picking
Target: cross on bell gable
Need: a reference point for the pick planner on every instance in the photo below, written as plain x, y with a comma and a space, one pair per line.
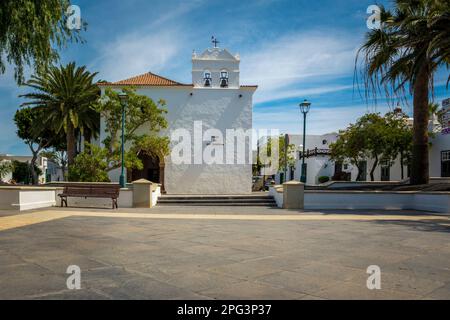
214, 41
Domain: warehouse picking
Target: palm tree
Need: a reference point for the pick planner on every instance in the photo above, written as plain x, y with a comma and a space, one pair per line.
402, 56
66, 95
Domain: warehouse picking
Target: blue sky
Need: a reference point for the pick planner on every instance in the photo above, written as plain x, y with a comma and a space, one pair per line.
292, 49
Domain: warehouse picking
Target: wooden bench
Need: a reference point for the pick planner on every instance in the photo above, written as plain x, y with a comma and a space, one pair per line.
110, 191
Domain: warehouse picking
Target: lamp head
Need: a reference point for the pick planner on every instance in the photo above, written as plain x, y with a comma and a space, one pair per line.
305, 106
123, 97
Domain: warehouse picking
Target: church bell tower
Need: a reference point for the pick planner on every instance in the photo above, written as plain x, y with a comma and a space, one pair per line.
215, 68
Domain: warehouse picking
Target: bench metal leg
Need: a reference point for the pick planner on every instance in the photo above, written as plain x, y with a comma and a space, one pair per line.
114, 204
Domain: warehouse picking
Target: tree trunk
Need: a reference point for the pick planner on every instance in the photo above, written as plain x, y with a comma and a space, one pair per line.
375, 164
71, 143
32, 164
401, 165
358, 176
63, 165
419, 163
34, 176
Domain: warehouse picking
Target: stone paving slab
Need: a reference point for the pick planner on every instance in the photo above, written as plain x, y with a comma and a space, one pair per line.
223, 256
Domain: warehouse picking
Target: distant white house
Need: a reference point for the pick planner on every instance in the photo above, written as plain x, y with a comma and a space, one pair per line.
319, 163
440, 145
42, 164
215, 99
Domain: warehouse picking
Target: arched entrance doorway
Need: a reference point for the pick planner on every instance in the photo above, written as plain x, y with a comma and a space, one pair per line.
153, 169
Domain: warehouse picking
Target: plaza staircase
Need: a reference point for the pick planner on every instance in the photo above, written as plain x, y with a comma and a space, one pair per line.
259, 199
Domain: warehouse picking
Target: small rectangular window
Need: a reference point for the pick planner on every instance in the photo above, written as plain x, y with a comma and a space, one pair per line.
445, 155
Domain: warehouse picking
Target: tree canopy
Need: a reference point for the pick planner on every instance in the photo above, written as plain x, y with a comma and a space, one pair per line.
143, 123
31, 32
402, 57
65, 95
26, 120
374, 137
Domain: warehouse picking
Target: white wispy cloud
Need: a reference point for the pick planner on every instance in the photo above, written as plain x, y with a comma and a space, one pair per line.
320, 120
179, 10
137, 52
295, 59
295, 93
154, 47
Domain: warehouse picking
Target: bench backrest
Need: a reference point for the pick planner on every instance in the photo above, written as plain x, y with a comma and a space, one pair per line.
110, 190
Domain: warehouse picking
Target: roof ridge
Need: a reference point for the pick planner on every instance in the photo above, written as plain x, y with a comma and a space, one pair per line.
147, 78
157, 75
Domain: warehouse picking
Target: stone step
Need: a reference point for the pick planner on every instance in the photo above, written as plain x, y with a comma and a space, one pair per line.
222, 199
217, 200
219, 204
174, 196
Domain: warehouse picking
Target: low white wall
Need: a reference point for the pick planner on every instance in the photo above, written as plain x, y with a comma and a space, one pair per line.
155, 195
366, 200
436, 201
277, 195
358, 200
26, 198
8, 197
35, 199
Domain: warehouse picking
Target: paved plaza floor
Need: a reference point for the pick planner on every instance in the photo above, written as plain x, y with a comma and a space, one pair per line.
223, 253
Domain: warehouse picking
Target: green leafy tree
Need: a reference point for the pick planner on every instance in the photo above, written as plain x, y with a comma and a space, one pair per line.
286, 156
23, 172
377, 138
350, 146
6, 167
31, 32
143, 122
372, 128
90, 165
399, 139
404, 55
65, 95
26, 120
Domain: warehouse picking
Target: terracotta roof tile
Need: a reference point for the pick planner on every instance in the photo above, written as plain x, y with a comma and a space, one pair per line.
146, 79
152, 80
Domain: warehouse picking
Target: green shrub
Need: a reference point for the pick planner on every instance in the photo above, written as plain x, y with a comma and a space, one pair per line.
22, 172
5, 168
324, 179
90, 166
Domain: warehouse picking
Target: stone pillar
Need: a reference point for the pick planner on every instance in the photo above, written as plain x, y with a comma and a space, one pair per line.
142, 193
293, 195
162, 167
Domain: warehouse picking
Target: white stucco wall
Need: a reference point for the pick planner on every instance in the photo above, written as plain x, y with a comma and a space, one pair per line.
371, 200
217, 108
26, 198
441, 142
215, 60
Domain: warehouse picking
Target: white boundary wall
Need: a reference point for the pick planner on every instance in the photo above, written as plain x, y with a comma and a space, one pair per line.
277, 193
366, 200
26, 198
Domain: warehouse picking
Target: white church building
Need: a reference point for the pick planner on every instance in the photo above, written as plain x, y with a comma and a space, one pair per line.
214, 103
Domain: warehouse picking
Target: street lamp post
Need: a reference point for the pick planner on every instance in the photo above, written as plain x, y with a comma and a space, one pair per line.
304, 108
123, 101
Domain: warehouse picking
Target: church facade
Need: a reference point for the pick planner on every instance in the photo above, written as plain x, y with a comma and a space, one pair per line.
207, 110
